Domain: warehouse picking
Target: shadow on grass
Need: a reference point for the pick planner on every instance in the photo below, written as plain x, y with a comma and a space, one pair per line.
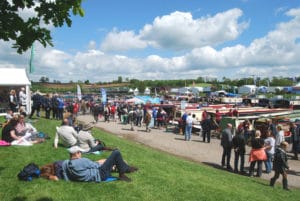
1, 168
214, 165
217, 166
45, 199
23, 198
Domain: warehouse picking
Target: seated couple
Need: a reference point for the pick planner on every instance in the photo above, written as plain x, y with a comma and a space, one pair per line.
83, 139
17, 132
83, 169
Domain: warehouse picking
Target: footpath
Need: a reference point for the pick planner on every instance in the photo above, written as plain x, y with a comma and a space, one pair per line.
194, 150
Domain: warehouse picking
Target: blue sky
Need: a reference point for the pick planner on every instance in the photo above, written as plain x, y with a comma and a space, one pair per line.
169, 39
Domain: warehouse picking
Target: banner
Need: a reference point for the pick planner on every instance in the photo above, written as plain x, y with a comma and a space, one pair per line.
103, 93
31, 67
79, 93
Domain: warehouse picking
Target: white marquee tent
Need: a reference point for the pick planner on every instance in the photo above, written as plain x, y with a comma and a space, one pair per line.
15, 78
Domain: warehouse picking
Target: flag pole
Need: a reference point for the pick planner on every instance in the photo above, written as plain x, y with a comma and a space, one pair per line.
31, 67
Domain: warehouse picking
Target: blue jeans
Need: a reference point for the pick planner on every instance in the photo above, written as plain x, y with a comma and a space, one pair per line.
188, 131
268, 162
114, 159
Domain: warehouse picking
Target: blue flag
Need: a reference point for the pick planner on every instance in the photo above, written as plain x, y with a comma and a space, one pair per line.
103, 92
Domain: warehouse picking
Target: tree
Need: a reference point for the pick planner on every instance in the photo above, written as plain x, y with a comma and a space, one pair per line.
44, 79
23, 32
120, 80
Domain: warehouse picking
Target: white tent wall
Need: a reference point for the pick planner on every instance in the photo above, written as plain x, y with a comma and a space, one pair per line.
15, 78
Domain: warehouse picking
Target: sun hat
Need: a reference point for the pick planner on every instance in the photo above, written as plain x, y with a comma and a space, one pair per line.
87, 127
284, 143
75, 149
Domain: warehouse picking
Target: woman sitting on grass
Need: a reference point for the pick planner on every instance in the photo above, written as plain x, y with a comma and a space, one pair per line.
9, 133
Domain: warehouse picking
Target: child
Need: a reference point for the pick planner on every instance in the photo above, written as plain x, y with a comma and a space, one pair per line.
280, 165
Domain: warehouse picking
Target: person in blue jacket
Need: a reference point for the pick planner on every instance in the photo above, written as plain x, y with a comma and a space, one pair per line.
86, 170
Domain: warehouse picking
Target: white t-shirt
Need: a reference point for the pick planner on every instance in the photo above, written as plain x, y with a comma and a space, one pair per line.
270, 141
279, 138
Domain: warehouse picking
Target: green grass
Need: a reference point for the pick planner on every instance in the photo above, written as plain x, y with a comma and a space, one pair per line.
160, 177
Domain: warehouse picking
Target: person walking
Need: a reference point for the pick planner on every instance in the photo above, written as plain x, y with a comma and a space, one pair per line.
226, 142
281, 165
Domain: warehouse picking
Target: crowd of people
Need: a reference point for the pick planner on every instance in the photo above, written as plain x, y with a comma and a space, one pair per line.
269, 150
75, 136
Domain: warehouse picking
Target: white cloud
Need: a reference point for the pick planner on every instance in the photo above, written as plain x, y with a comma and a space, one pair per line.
121, 41
275, 54
180, 31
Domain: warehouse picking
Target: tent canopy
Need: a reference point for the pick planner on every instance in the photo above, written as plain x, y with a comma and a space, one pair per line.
16, 77
13, 77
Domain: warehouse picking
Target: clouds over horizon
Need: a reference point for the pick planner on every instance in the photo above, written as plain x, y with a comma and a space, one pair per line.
173, 46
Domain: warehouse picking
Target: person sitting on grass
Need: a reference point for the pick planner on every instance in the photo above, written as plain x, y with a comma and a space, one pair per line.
66, 133
83, 169
9, 132
87, 142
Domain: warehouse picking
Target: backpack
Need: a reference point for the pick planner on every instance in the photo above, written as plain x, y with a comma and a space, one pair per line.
29, 172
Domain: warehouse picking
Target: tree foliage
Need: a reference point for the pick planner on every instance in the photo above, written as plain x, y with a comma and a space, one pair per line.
44, 79
23, 32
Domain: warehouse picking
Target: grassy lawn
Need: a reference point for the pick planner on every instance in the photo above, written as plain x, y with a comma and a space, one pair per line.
160, 176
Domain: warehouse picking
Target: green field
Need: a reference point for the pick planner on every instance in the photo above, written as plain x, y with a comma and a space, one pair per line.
160, 177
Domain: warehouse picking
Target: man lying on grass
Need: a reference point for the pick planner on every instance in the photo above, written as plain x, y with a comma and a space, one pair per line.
83, 169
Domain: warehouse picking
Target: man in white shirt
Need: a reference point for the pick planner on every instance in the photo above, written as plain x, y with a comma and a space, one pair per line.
67, 134
22, 98
280, 136
270, 150
188, 127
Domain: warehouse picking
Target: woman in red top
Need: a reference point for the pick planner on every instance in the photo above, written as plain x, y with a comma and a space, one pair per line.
218, 116
75, 108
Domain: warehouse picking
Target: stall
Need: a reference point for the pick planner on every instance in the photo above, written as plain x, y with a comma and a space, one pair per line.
13, 78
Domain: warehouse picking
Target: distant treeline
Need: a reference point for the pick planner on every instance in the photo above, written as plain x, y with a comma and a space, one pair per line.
160, 85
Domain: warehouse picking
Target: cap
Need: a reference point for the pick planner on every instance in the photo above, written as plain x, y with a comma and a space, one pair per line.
229, 125
75, 149
87, 127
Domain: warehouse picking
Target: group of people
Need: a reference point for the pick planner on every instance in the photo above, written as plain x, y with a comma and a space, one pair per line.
207, 123
16, 131
270, 150
17, 100
135, 115
83, 169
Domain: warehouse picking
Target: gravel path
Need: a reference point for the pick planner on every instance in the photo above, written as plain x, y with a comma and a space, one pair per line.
195, 150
